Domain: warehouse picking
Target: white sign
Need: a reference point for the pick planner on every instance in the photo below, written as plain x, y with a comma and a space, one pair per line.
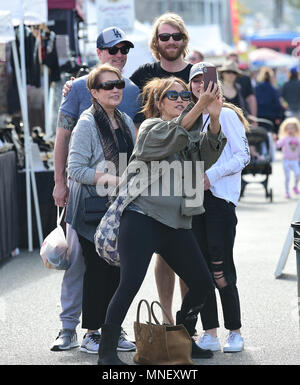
33, 11
7, 32
119, 13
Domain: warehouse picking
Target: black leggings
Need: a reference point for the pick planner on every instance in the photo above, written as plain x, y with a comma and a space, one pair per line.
140, 236
100, 282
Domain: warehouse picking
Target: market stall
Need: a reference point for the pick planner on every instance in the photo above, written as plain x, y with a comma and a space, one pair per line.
64, 17
14, 15
9, 229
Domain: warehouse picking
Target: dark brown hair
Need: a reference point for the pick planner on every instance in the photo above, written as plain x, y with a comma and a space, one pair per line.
154, 91
93, 76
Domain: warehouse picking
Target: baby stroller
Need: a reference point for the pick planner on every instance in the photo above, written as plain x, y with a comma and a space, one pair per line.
262, 154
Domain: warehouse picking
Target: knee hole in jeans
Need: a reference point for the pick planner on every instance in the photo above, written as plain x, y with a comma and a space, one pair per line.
218, 273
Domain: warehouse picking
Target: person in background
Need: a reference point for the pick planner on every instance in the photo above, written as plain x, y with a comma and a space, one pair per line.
268, 99
229, 72
162, 222
112, 48
215, 229
289, 142
195, 57
290, 93
101, 134
247, 90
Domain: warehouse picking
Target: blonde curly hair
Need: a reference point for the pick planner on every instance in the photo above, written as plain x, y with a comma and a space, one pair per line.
289, 121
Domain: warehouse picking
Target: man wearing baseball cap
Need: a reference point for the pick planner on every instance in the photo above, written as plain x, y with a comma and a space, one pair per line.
112, 47
112, 36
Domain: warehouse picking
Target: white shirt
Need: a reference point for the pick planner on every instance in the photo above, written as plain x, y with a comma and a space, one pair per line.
225, 174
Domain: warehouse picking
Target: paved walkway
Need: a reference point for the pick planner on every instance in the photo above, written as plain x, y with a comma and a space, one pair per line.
30, 306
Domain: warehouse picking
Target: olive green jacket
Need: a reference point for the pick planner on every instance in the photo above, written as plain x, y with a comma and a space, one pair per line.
160, 140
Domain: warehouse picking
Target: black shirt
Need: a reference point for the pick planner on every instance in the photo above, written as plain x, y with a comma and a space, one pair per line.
149, 71
246, 87
291, 94
123, 146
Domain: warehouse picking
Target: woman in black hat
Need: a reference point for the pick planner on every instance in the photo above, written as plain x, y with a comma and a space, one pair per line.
231, 90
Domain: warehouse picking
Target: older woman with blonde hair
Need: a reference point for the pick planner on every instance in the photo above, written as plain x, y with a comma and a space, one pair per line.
158, 222
101, 134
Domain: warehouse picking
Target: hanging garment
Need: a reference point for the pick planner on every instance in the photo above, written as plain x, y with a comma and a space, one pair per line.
49, 55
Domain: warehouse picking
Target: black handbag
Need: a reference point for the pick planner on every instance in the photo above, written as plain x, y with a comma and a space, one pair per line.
94, 210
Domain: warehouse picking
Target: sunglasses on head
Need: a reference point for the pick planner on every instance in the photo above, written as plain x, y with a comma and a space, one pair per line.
173, 95
114, 50
166, 36
110, 85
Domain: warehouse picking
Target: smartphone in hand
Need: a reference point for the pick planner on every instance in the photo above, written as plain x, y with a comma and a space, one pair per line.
209, 74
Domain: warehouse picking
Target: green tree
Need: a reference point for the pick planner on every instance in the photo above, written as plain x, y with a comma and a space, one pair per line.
294, 3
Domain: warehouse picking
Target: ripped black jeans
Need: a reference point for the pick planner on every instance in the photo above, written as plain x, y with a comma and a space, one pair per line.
215, 231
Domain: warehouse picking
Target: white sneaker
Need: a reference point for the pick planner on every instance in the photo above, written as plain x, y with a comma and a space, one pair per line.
235, 343
206, 341
123, 344
66, 339
90, 343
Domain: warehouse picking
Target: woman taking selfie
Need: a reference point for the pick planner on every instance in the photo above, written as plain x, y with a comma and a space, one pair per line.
101, 134
160, 223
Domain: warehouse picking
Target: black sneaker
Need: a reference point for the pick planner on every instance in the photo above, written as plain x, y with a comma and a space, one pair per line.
197, 352
66, 339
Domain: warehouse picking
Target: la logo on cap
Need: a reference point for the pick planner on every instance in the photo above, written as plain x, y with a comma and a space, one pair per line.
111, 34
117, 34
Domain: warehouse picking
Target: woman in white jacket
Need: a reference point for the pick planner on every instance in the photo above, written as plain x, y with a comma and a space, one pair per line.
215, 229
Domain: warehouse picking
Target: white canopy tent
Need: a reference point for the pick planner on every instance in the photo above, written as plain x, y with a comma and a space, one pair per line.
212, 46
140, 36
20, 12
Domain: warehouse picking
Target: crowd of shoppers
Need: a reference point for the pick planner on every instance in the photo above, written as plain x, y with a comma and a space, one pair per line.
162, 113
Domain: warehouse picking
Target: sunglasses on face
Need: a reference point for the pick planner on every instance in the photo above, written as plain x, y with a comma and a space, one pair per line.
114, 50
173, 95
166, 36
110, 85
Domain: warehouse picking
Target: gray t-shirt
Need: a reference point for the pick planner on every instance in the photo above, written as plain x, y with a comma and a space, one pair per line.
79, 99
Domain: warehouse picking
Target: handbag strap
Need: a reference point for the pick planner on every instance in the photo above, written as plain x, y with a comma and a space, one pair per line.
149, 319
59, 216
153, 314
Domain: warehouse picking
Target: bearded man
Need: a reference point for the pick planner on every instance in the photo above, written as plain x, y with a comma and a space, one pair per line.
169, 46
